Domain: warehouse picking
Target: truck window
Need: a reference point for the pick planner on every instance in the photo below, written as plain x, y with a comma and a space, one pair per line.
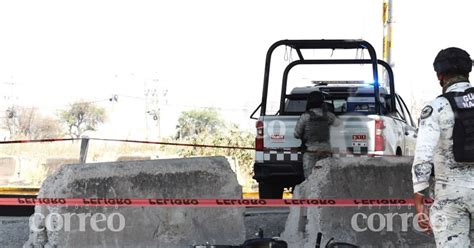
295, 106
340, 100
339, 106
364, 104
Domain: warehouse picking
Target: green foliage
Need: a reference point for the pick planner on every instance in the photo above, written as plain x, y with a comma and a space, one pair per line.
231, 136
82, 116
211, 129
196, 122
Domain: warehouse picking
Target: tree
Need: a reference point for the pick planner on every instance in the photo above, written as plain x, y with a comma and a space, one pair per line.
45, 128
26, 122
81, 117
207, 127
195, 122
231, 136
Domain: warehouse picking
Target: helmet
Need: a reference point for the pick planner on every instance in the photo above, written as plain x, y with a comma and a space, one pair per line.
453, 60
315, 100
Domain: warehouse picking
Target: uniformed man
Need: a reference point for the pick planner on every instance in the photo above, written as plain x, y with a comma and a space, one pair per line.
313, 130
445, 148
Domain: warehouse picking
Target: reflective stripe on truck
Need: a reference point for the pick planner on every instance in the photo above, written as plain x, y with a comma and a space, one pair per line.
290, 156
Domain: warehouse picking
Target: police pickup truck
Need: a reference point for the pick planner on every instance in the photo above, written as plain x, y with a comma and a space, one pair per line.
374, 120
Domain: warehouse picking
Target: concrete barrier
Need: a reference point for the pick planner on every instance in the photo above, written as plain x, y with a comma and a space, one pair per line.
53, 164
163, 227
133, 158
13, 231
368, 178
8, 167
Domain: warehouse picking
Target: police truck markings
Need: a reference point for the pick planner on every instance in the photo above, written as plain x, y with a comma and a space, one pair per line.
466, 101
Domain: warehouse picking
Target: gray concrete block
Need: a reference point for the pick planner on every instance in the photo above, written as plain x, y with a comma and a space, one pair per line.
7, 167
13, 231
368, 178
163, 227
133, 158
53, 164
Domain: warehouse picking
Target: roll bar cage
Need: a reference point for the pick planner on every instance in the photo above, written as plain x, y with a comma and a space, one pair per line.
299, 45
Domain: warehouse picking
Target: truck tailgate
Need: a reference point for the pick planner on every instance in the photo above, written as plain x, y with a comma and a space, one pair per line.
353, 135
278, 132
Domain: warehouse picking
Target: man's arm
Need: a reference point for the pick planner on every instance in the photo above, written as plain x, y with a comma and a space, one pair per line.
333, 120
300, 126
428, 137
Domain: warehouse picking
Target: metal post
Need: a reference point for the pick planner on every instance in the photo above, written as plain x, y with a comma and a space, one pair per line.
387, 35
387, 27
84, 148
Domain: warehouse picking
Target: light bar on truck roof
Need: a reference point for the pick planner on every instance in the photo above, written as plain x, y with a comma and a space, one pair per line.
338, 82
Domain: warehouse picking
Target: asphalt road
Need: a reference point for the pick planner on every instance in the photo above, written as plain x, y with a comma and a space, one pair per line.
269, 219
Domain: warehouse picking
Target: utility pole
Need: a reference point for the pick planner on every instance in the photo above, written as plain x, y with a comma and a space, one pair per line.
9, 101
387, 19
152, 109
10, 98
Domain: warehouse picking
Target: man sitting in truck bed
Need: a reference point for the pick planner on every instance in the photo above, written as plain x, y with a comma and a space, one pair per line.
313, 130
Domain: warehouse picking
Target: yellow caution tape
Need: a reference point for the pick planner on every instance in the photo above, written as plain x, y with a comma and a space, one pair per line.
11, 190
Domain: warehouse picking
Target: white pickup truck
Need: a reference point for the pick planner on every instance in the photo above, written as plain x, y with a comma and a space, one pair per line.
375, 120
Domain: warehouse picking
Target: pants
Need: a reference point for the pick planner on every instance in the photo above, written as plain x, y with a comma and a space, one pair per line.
310, 158
450, 215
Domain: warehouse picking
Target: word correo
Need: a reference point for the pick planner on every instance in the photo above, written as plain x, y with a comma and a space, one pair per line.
97, 222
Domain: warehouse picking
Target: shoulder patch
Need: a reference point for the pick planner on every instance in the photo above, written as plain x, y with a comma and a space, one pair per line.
426, 112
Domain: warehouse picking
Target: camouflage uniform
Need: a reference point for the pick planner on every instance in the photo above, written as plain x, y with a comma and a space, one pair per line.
315, 150
454, 181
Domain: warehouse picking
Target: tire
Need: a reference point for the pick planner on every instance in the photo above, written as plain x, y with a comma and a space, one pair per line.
398, 152
270, 190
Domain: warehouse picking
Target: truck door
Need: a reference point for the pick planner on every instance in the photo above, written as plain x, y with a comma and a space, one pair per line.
409, 131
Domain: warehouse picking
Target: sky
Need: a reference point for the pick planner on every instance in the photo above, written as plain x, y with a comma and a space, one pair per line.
195, 54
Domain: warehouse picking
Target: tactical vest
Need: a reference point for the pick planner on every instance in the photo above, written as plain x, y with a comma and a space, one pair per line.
462, 104
317, 128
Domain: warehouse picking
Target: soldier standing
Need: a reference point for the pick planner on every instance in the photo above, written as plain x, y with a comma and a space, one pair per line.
313, 130
445, 147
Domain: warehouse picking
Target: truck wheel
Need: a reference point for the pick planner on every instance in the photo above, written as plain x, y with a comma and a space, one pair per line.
398, 152
270, 191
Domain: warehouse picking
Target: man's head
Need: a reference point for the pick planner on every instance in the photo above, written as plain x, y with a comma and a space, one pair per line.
452, 62
315, 100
